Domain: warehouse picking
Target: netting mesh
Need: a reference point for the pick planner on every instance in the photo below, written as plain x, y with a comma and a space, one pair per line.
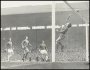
75, 38
18, 57
71, 55
74, 46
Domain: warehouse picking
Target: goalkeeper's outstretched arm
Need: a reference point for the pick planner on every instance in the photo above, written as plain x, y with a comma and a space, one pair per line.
68, 18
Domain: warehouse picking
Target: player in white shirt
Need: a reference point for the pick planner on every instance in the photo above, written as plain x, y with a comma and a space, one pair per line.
9, 49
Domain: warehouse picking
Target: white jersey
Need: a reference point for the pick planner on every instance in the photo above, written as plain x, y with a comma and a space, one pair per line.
43, 51
10, 50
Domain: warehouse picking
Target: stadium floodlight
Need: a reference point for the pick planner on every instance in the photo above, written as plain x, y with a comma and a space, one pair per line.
80, 25
7, 28
13, 28
42, 27
33, 27
23, 28
74, 25
57, 26
48, 27
85, 24
38, 27
27, 28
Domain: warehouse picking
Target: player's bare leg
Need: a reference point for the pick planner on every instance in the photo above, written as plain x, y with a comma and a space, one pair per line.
8, 58
23, 58
10, 55
57, 45
57, 42
25, 55
62, 46
47, 57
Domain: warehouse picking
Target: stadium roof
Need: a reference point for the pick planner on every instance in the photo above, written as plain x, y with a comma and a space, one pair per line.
25, 7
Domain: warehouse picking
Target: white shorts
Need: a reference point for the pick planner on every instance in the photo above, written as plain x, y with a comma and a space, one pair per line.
43, 51
10, 51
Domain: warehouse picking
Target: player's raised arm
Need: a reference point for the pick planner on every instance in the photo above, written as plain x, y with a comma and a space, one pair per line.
68, 18
68, 23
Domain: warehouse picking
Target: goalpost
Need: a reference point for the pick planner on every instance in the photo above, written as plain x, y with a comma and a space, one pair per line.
53, 31
87, 43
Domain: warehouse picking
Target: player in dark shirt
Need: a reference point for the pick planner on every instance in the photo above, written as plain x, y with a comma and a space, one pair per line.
62, 31
43, 50
25, 43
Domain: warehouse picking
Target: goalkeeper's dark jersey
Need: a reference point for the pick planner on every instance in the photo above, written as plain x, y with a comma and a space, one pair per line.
63, 29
